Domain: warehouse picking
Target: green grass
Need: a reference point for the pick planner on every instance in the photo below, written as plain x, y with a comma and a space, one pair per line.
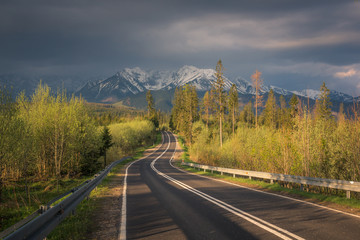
277, 188
17, 205
185, 155
79, 225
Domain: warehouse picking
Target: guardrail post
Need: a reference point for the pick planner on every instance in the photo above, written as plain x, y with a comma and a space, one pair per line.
348, 194
301, 187
271, 181
43, 208
212, 171
204, 170
249, 177
234, 175
221, 173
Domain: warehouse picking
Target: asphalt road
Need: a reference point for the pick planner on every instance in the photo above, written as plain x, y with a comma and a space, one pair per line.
163, 202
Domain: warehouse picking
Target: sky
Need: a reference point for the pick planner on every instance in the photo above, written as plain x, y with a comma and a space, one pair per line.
295, 44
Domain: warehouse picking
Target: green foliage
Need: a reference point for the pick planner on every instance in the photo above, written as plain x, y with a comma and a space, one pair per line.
233, 105
220, 97
128, 136
106, 142
17, 204
64, 139
185, 111
292, 140
270, 117
152, 114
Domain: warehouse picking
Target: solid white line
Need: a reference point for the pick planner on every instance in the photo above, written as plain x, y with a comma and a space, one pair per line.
122, 235
256, 221
269, 193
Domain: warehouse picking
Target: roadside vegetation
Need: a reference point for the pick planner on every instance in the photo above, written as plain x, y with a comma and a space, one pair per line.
51, 142
350, 205
269, 135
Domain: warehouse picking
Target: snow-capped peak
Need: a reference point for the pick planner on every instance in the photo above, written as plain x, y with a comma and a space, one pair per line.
136, 80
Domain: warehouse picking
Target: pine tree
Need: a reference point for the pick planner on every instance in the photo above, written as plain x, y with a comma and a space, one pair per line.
270, 110
294, 103
257, 83
220, 96
233, 104
152, 115
150, 103
324, 102
106, 142
206, 105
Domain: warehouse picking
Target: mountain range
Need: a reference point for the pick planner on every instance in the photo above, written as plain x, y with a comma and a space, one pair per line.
131, 84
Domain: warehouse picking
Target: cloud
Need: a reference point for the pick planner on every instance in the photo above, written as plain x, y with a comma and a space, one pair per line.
311, 40
349, 73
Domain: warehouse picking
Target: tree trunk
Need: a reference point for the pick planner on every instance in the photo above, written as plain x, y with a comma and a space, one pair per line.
220, 129
233, 121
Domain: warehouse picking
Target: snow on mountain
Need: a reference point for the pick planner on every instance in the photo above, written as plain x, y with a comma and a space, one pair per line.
132, 81
310, 93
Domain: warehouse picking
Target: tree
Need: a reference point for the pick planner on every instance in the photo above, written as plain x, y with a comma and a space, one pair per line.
150, 103
324, 103
270, 110
257, 83
233, 104
152, 115
185, 110
247, 115
106, 143
206, 105
294, 102
10, 135
191, 105
220, 95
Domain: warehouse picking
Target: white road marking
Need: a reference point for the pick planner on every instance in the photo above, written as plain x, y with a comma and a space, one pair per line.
269, 193
122, 235
255, 220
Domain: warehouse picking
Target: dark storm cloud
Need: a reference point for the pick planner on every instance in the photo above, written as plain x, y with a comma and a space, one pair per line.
94, 37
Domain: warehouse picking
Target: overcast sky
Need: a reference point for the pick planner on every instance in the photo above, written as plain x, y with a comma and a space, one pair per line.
295, 44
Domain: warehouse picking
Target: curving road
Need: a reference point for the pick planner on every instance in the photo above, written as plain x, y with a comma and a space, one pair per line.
163, 202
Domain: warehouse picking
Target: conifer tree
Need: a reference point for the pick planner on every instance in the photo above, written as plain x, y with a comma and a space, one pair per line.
294, 102
220, 96
257, 83
324, 102
270, 110
152, 115
233, 104
206, 105
106, 142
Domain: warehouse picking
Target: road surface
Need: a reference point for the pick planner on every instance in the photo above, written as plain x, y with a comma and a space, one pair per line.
162, 202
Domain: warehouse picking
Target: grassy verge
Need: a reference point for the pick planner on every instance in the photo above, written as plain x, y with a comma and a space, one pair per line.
277, 188
17, 204
185, 155
79, 225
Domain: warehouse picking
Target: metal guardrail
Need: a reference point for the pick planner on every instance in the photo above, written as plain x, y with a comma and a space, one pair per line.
321, 182
39, 227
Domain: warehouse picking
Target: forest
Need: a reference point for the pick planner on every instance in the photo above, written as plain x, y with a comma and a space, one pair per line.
289, 138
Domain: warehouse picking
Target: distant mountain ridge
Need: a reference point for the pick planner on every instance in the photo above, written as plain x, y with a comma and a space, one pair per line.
130, 85
133, 81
